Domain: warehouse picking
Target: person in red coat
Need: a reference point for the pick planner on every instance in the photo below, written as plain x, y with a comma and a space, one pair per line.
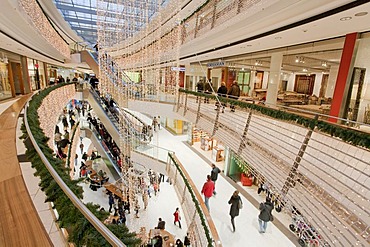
207, 190
177, 217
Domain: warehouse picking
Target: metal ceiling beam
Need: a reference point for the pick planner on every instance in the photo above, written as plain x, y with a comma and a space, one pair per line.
75, 9
84, 29
83, 21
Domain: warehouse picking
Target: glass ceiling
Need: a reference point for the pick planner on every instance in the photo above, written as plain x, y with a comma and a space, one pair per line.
82, 15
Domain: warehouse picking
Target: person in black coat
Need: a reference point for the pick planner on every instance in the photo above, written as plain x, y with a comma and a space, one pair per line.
235, 200
214, 175
221, 92
265, 214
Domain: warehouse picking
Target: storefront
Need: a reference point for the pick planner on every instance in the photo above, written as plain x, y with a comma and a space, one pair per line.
36, 74
5, 88
198, 137
177, 127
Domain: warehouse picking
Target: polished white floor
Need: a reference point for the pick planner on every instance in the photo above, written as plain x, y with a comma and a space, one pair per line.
246, 223
162, 205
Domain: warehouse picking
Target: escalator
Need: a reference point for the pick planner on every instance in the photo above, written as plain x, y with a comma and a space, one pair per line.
116, 119
103, 150
91, 58
109, 121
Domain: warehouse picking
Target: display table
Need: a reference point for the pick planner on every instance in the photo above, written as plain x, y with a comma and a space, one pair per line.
206, 143
217, 154
245, 180
110, 219
168, 239
115, 191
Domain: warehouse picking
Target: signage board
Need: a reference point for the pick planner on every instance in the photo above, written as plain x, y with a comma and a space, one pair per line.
216, 64
181, 69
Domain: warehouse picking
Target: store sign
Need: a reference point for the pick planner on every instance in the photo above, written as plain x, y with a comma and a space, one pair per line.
216, 64
181, 69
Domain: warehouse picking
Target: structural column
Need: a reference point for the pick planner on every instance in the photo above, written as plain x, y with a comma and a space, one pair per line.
25, 75
252, 82
344, 77
274, 78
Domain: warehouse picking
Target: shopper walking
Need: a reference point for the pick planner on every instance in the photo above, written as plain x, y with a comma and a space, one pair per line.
265, 214
207, 191
111, 202
187, 240
236, 205
82, 147
221, 92
234, 93
214, 175
177, 216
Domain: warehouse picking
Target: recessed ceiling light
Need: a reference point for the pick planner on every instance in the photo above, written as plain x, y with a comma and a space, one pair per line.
361, 14
347, 18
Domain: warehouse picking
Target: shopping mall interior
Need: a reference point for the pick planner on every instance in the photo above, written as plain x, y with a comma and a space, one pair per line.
184, 123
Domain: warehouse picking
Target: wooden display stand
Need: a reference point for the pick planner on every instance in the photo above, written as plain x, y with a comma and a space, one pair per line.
206, 143
168, 239
217, 154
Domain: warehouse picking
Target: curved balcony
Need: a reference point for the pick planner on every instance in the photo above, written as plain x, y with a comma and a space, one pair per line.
200, 225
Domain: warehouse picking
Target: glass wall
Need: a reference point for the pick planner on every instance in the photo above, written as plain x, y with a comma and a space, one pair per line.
36, 74
5, 90
243, 79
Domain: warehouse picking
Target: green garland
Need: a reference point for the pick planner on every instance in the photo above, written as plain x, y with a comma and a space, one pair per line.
196, 202
348, 135
81, 232
243, 166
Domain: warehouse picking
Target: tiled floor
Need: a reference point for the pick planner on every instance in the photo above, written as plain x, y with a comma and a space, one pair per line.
44, 210
166, 200
246, 223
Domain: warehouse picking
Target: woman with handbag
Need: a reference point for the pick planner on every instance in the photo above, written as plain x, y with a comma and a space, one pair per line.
265, 214
236, 205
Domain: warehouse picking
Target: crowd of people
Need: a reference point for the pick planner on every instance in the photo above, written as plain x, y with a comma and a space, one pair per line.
233, 93
236, 204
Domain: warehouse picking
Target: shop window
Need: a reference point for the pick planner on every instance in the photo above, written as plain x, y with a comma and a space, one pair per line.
189, 82
258, 80
243, 79
304, 84
5, 90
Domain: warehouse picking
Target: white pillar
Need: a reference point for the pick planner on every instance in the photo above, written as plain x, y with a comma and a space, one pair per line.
252, 80
333, 73
274, 78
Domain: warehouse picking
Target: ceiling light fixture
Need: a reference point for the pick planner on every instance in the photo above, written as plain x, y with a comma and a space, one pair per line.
258, 63
361, 13
347, 18
324, 64
299, 59
304, 70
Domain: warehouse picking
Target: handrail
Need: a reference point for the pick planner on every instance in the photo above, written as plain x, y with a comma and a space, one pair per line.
191, 185
274, 106
350, 135
99, 226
